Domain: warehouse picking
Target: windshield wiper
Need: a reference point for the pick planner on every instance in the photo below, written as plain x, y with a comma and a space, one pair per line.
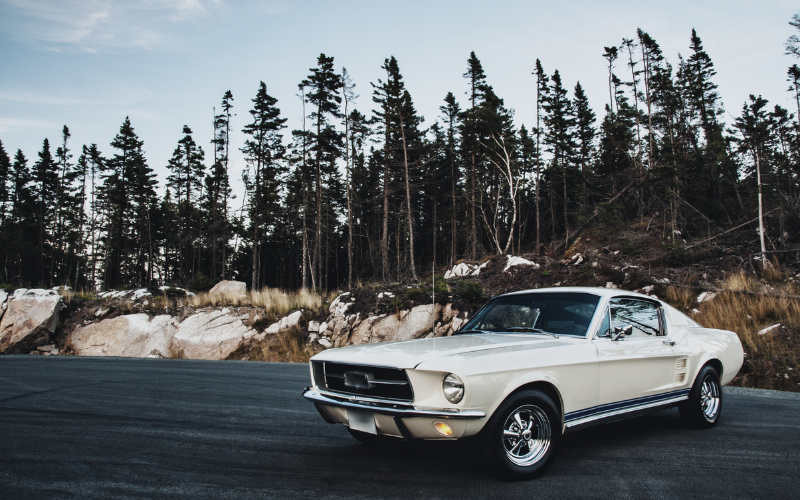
473, 330
529, 330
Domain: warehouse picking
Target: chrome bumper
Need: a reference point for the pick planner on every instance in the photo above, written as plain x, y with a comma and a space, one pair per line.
354, 403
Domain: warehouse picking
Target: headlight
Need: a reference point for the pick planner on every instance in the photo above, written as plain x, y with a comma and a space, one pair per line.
453, 388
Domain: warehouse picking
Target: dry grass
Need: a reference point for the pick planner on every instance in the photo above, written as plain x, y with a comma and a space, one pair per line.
680, 297
287, 346
273, 300
773, 359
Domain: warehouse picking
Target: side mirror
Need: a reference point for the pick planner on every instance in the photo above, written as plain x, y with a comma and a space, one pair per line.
621, 330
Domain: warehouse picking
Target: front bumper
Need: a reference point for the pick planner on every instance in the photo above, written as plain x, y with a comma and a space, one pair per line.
388, 408
391, 418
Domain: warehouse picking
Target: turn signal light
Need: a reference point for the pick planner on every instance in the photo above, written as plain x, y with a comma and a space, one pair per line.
443, 429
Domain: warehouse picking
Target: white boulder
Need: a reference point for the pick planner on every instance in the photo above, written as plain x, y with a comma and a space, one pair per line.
30, 318
132, 335
285, 323
210, 335
518, 261
228, 287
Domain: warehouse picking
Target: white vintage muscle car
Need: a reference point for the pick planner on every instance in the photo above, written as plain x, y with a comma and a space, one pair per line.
528, 367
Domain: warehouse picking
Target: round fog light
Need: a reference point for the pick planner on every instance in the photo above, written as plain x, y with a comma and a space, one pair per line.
443, 429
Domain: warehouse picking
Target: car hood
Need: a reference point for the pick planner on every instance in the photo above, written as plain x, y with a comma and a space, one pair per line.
410, 353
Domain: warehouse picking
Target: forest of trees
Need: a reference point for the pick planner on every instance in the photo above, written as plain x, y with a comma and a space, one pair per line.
359, 195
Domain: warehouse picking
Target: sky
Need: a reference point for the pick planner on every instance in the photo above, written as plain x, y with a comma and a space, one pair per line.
165, 63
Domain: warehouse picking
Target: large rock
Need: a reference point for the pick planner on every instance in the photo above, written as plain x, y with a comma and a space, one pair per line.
30, 318
411, 324
3, 297
210, 335
229, 288
133, 335
286, 322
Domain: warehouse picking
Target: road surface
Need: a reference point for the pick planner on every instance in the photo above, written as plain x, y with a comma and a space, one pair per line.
75, 427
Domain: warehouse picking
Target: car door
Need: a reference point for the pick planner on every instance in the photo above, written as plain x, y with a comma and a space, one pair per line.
638, 368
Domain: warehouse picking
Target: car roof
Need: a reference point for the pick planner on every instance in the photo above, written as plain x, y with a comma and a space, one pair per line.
602, 292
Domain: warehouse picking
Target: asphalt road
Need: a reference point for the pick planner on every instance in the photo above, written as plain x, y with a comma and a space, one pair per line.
150, 428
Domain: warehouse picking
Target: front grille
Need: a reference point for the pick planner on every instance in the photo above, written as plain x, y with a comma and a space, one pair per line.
362, 380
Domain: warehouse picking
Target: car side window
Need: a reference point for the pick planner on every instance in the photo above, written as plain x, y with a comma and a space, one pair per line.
641, 315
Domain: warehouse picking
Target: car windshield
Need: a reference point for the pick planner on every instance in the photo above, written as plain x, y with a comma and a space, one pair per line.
560, 313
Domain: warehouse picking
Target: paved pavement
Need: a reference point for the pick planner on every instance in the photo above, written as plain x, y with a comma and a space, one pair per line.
150, 428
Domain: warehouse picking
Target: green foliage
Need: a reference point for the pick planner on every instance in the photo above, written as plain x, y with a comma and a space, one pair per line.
396, 304
546, 273
469, 290
201, 283
174, 292
629, 248
413, 293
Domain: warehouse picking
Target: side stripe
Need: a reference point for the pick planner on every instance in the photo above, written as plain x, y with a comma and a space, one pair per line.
610, 409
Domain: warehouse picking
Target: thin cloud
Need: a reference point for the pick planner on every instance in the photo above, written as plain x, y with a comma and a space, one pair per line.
8, 124
97, 25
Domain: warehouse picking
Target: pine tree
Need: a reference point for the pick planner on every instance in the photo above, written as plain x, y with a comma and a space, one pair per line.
477, 85
794, 80
754, 138
129, 196
45, 176
584, 136
323, 93
186, 180
5, 170
220, 185
451, 112
542, 91
264, 153
559, 138
20, 235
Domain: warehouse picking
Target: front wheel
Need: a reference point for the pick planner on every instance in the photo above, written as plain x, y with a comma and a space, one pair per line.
521, 438
704, 406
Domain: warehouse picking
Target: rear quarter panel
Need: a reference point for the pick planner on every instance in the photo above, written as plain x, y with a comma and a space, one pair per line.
706, 344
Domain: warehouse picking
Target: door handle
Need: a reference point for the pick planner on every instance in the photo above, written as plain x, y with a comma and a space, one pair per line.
669, 342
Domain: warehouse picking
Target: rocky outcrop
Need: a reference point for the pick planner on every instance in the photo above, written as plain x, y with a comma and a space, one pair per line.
426, 320
210, 335
229, 288
30, 318
133, 335
3, 297
286, 323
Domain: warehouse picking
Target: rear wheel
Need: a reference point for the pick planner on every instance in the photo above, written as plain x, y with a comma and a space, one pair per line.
704, 406
521, 438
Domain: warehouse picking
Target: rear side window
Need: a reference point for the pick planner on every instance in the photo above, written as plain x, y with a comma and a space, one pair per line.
642, 315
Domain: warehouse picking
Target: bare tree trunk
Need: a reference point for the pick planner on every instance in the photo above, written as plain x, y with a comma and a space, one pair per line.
760, 207
566, 218
473, 235
637, 162
385, 233
453, 229
347, 188
317, 260
408, 202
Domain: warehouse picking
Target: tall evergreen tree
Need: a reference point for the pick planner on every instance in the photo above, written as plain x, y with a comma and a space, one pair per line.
323, 86
477, 85
264, 153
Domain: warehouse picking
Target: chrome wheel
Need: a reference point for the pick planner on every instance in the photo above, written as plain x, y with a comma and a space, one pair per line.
526, 435
709, 398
